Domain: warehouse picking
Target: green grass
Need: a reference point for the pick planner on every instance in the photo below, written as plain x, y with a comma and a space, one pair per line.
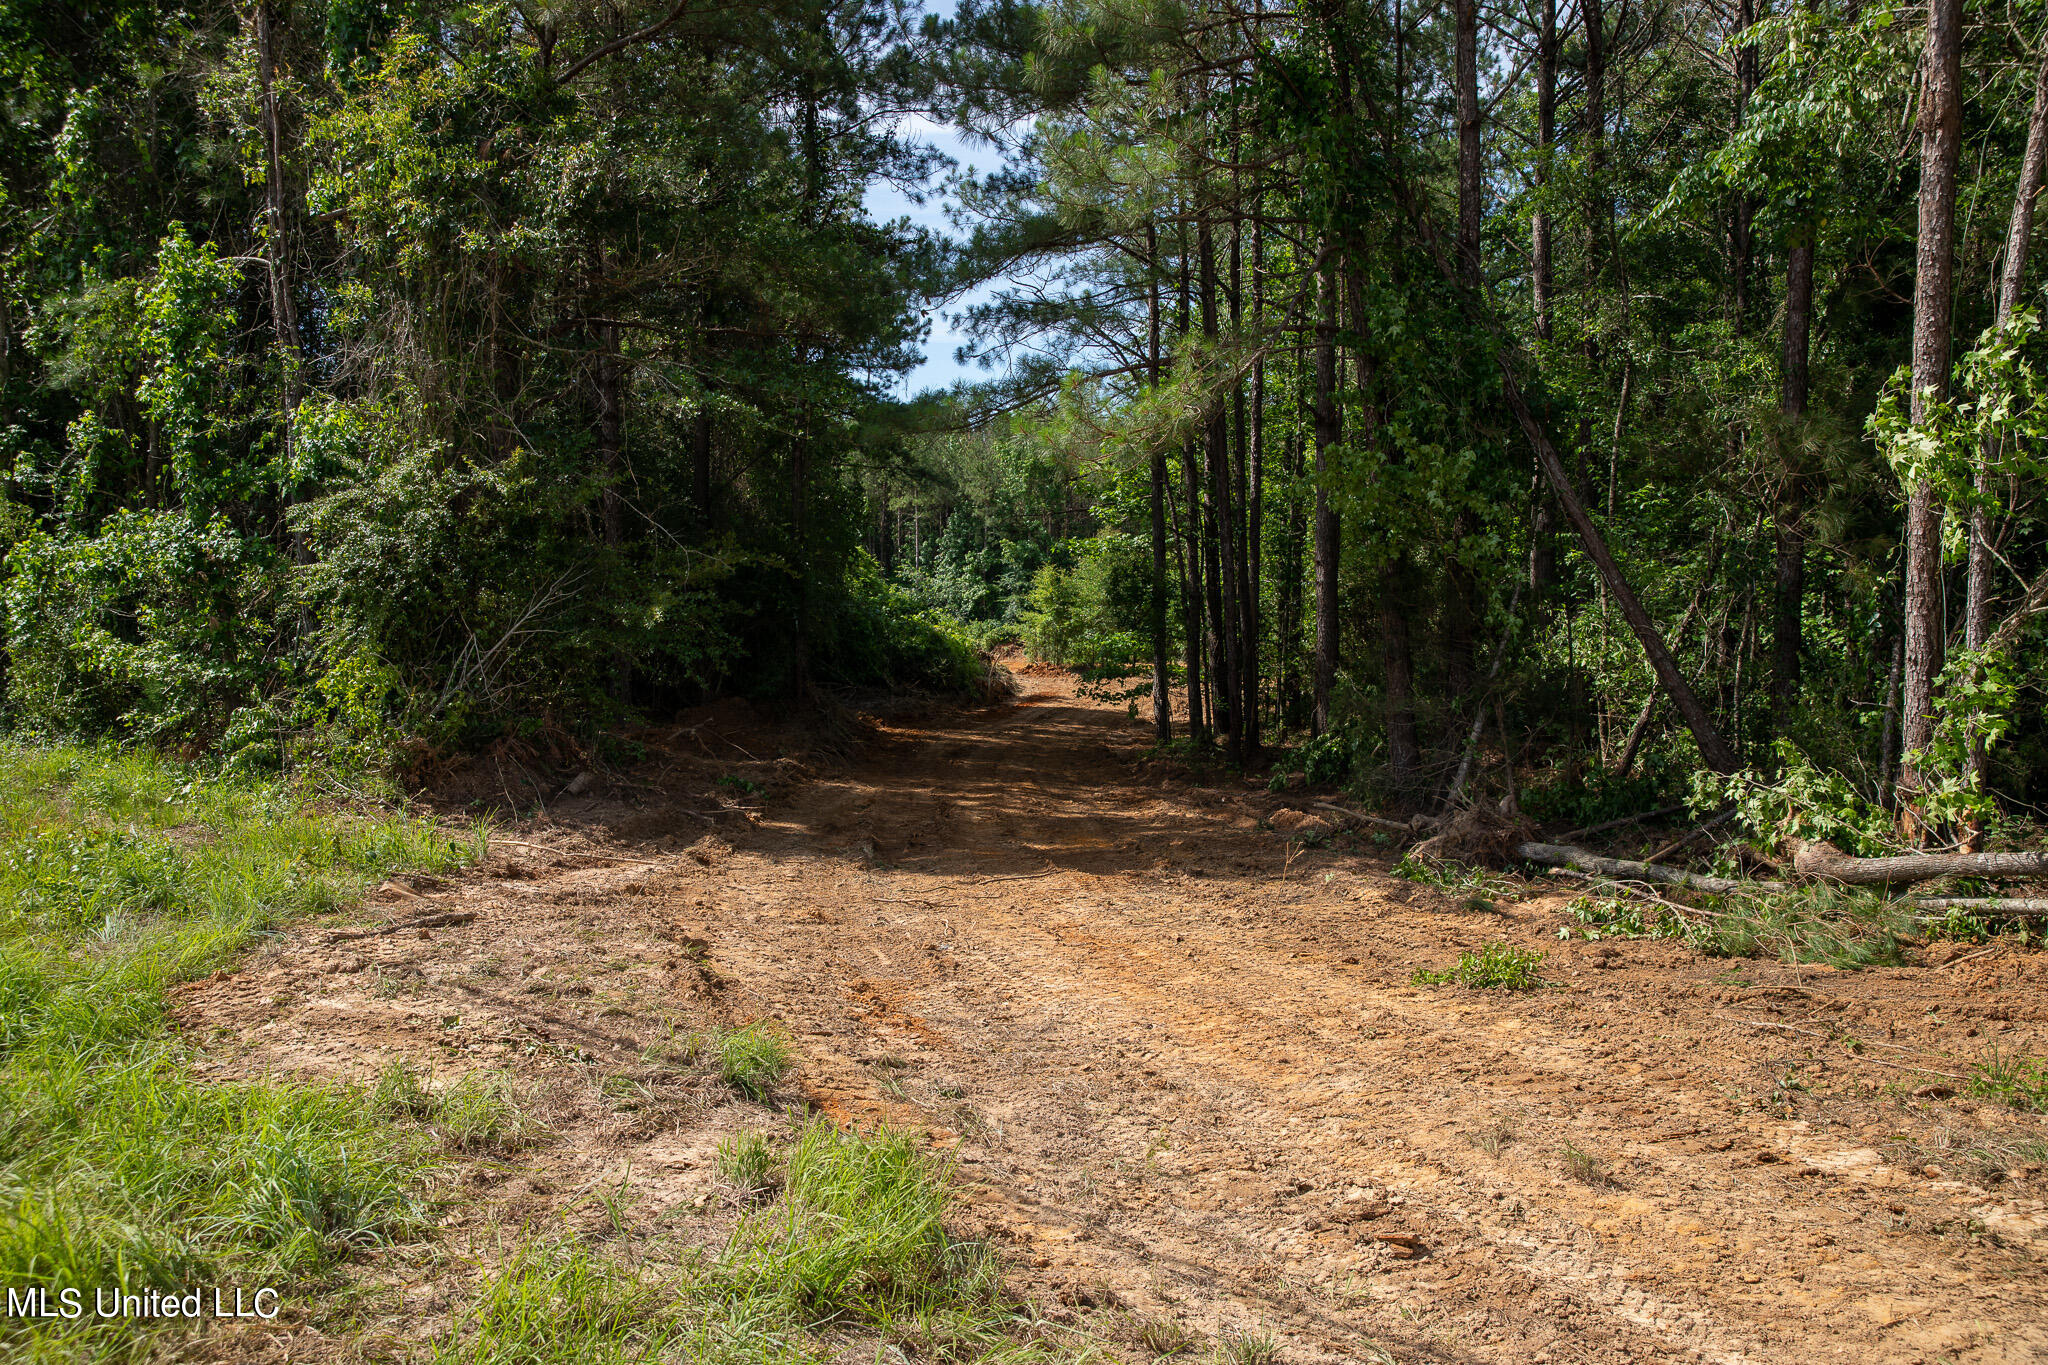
561, 1302
122, 874
854, 1243
2020, 1082
748, 1162
1496, 967
752, 1059
1248, 1348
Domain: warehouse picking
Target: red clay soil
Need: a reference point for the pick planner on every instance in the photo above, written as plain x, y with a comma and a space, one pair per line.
1185, 1074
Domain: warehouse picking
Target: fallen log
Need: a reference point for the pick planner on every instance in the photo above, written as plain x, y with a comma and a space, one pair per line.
1565, 855
1818, 859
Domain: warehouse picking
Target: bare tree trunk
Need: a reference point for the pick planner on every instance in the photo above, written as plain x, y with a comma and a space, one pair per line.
1191, 534
1977, 614
607, 376
1469, 203
1221, 567
1543, 518
1324, 671
1239, 531
1789, 596
1546, 138
277, 251
1162, 702
1741, 236
1255, 497
284, 316
1941, 127
1287, 591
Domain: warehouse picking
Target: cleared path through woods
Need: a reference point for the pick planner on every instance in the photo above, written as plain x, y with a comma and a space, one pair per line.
1185, 1074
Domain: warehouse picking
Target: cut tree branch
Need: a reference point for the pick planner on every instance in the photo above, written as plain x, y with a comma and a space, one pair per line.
1565, 855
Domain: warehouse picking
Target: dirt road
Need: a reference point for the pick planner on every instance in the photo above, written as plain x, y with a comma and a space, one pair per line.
1187, 1079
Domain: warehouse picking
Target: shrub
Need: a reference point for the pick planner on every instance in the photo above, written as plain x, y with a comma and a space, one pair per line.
1496, 967
1094, 617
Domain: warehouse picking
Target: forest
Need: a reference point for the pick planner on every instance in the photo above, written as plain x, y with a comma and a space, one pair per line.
1611, 395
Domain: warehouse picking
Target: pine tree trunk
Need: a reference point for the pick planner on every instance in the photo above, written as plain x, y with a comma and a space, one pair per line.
277, 251
1789, 596
1222, 570
1397, 663
1469, 204
1543, 514
1940, 148
1162, 702
1252, 477
1191, 536
1546, 138
1324, 669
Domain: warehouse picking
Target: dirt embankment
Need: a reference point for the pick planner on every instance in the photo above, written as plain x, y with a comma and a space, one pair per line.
1185, 1075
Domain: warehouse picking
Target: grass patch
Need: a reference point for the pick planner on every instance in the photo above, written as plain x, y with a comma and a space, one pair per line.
749, 1061
1496, 967
1584, 1167
1163, 1337
2020, 1082
854, 1244
1248, 1348
749, 1164
752, 1059
122, 874
484, 1114
560, 1302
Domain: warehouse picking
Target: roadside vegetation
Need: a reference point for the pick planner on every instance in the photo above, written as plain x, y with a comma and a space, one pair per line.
843, 1246
123, 874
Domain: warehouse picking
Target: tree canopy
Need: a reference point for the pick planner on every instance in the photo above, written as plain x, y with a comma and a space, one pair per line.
1573, 402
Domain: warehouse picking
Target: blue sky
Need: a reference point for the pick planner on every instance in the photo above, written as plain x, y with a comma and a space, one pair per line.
887, 203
